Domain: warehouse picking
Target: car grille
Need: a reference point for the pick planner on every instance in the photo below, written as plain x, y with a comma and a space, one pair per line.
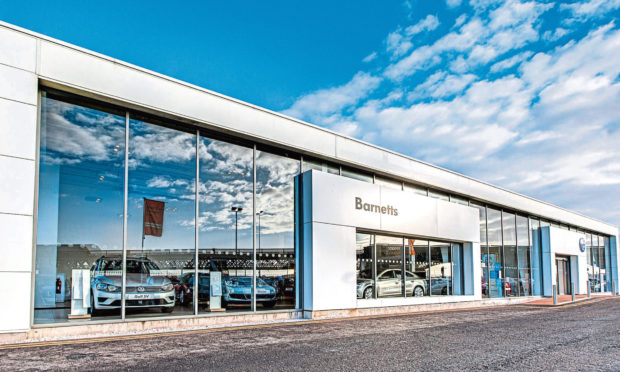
145, 302
146, 289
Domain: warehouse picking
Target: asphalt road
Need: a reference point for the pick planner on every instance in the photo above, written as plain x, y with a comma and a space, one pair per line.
576, 337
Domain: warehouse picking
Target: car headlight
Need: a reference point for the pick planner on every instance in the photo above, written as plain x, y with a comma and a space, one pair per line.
167, 287
106, 287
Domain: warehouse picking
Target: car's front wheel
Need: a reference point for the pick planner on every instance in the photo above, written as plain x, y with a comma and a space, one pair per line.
167, 309
92, 310
418, 291
368, 293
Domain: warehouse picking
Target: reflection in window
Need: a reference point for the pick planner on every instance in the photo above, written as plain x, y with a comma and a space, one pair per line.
275, 207
484, 250
441, 268
536, 256
523, 255
225, 227
80, 209
161, 211
511, 272
364, 248
494, 231
389, 266
417, 267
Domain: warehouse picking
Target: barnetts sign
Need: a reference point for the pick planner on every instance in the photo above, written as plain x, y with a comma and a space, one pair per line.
388, 209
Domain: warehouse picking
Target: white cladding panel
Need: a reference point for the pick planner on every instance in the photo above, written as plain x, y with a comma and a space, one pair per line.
333, 262
334, 202
566, 243
18, 49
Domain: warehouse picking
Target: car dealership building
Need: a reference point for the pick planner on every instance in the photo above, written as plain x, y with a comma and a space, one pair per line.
132, 201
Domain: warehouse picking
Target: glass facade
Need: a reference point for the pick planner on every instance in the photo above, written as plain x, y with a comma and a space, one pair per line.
137, 226
431, 268
127, 246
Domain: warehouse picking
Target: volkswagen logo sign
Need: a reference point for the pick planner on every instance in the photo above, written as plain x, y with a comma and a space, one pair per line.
140, 289
582, 244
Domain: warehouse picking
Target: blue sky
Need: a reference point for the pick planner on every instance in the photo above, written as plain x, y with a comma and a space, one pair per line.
522, 94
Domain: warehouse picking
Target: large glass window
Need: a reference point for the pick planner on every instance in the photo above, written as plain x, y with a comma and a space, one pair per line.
536, 256
511, 284
484, 249
441, 268
364, 249
275, 204
523, 255
494, 231
80, 211
225, 229
417, 267
161, 211
389, 266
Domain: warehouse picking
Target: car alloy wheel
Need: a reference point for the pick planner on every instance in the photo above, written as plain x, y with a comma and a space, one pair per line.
368, 293
418, 291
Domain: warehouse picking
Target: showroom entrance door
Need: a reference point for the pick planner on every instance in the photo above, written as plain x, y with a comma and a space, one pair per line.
563, 279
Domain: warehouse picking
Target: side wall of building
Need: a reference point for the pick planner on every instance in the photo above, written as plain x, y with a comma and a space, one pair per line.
18, 139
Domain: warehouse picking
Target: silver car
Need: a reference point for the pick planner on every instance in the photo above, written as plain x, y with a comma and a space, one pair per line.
143, 289
389, 284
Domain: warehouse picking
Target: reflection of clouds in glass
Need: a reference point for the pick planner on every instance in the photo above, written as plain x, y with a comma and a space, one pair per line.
79, 133
226, 159
160, 181
161, 144
275, 192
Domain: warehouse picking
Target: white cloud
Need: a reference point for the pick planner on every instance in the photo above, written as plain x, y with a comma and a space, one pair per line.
323, 102
453, 3
510, 62
584, 10
440, 84
541, 119
509, 26
400, 41
555, 35
369, 58
427, 24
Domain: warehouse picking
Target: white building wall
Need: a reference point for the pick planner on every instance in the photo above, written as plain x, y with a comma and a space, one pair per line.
558, 241
18, 138
330, 220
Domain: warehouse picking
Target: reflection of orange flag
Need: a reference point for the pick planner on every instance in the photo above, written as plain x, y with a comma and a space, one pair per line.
153, 217
411, 248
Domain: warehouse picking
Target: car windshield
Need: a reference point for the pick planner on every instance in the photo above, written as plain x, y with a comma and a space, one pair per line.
140, 267
244, 280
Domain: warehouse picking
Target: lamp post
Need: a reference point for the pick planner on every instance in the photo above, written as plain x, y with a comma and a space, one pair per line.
260, 213
236, 210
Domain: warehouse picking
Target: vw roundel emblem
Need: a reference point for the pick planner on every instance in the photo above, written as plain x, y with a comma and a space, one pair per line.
582, 244
140, 289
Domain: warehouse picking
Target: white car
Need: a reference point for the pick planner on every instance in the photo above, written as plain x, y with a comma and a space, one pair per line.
142, 289
389, 284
